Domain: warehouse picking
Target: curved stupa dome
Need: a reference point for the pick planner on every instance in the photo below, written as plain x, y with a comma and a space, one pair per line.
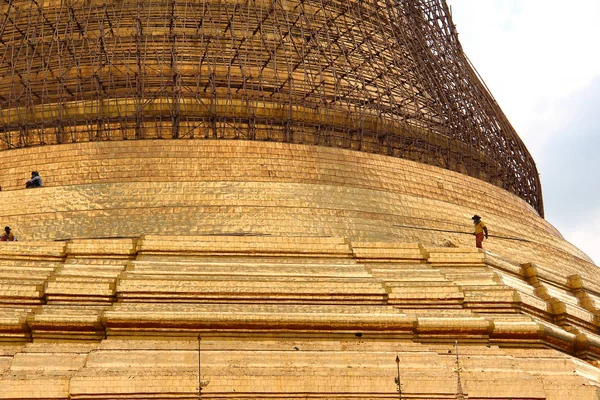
385, 77
273, 199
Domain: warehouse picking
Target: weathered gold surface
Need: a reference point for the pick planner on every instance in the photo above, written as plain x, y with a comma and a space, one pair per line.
379, 76
184, 187
337, 273
289, 317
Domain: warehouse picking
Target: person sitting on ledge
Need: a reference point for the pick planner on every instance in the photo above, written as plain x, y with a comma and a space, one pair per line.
8, 236
480, 229
35, 181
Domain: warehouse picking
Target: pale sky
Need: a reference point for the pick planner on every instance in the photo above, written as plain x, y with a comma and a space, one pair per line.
541, 61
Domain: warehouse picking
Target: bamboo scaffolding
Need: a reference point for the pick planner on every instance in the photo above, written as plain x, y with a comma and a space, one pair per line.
382, 76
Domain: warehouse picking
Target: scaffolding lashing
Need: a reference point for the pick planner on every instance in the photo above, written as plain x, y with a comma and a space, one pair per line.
382, 76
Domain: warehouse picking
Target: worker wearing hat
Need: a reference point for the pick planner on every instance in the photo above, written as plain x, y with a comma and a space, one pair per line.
480, 230
35, 181
8, 236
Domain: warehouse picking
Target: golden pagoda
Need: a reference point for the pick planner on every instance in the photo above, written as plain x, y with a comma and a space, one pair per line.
273, 200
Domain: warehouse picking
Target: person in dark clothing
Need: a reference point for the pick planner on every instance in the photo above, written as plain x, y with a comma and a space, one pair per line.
8, 236
35, 181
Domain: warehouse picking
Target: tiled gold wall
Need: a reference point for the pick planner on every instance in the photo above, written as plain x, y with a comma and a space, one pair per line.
267, 317
183, 187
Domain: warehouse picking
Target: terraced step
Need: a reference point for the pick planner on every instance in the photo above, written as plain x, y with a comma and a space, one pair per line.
243, 245
136, 287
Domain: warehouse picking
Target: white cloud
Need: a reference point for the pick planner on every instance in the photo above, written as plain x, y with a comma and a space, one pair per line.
540, 60
531, 52
586, 236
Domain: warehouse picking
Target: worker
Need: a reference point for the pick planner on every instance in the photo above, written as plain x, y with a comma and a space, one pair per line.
35, 181
480, 230
8, 236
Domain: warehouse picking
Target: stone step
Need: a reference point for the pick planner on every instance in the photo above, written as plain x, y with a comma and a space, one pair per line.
187, 317
380, 252
15, 292
216, 284
25, 273
13, 324
455, 256
102, 248
83, 270
247, 269
81, 322
33, 250
421, 294
296, 246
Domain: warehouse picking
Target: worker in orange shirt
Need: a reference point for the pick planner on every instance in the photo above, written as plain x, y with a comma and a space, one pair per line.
480, 230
